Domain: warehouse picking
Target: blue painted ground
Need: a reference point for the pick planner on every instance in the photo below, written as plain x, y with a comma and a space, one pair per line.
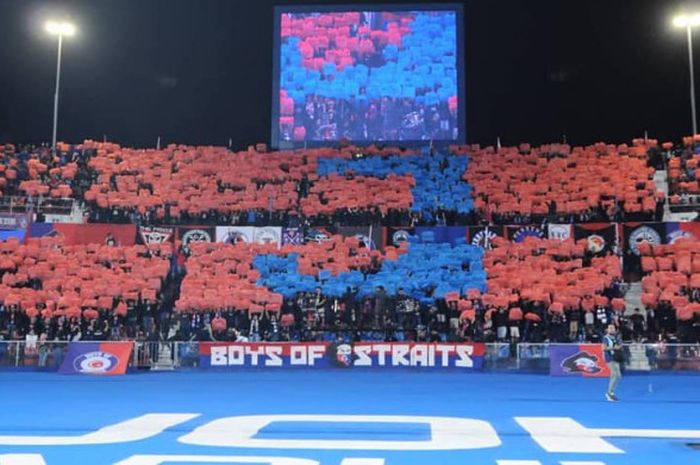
52, 404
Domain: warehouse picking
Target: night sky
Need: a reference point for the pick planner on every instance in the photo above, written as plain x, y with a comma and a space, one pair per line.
199, 71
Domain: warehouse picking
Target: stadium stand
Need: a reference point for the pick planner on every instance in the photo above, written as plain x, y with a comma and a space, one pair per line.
564, 185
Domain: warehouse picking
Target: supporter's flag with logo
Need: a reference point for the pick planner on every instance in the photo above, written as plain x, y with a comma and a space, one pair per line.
639, 233
482, 236
235, 234
584, 360
292, 236
444, 234
520, 233
77, 234
395, 236
268, 235
559, 232
154, 235
675, 231
97, 358
192, 234
371, 236
600, 237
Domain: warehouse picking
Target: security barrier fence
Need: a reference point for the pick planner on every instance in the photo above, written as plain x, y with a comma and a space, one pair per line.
498, 357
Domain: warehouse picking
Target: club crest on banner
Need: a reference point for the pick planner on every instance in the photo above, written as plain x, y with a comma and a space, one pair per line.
293, 236
528, 231
641, 235
559, 232
399, 237
582, 362
195, 235
317, 235
595, 243
155, 235
95, 362
268, 235
484, 238
672, 237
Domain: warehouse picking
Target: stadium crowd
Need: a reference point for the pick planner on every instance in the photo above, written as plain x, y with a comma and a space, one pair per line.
573, 298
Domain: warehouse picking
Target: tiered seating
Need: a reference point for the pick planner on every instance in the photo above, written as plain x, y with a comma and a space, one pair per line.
35, 171
672, 276
334, 193
79, 280
194, 180
585, 184
436, 182
253, 277
684, 188
182, 184
549, 272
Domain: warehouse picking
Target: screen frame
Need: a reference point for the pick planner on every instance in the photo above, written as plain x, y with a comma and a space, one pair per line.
458, 8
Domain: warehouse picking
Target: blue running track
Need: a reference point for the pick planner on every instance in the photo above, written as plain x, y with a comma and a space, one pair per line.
49, 405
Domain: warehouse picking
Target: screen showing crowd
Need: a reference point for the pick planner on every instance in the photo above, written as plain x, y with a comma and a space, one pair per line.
368, 76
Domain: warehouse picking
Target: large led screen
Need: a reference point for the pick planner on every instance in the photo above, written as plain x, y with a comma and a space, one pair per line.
385, 75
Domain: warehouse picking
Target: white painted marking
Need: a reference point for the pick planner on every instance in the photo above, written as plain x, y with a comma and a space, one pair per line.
647, 433
446, 433
135, 429
21, 459
356, 461
563, 434
160, 459
581, 463
518, 462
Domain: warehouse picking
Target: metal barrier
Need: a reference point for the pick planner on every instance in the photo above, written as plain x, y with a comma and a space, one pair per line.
499, 357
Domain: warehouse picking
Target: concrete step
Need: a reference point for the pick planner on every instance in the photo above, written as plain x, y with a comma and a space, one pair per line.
633, 298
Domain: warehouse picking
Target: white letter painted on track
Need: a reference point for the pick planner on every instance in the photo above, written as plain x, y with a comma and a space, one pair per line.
160, 459
563, 434
446, 433
21, 459
355, 461
138, 428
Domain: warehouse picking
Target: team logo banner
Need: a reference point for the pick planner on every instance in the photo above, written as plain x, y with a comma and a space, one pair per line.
577, 360
93, 233
600, 237
193, 234
640, 233
154, 235
268, 235
676, 231
292, 236
520, 233
249, 234
560, 232
97, 358
482, 236
14, 220
395, 236
443, 234
323, 355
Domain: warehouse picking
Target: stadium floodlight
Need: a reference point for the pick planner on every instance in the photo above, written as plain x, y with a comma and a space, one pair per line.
688, 22
60, 29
